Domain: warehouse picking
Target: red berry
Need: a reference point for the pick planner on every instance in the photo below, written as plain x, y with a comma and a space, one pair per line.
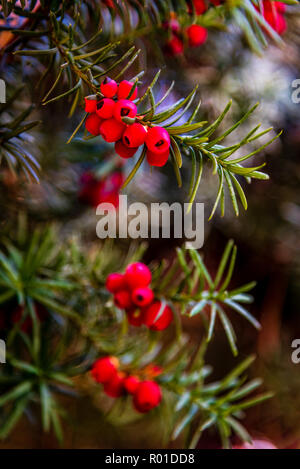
147, 396
280, 7
158, 140
197, 35
112, 130
137, 275
158, 316
90, 104
174, 46
93, 123
116, 179
124, 90
135, 135
157, 159
115, 387
115, 282
123, 299
131, 384
105, 108
108, 88
124, 108
142, 296
200, 6
104, 369
123, 150
135, 317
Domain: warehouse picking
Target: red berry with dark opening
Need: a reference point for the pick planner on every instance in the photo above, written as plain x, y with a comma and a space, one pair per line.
124, 90
112, 130
105, 108
158, 316
158, 140
135, 135
131, 383
115, 282
137, 275
123, 150
157, 159
108, 88
197, 35
147, 396
93, 123
123, 299
104, 369
174, 46
90, 104
115, 387
124, 108
142, 296
135, 317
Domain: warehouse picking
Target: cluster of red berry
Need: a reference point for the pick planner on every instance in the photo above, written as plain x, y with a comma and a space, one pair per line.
96, 191
146, 394
114, 117
195, 34
273, 12
132, 293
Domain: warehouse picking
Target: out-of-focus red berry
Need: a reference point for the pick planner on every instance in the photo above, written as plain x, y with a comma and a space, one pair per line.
104, 369
147, 396
115, 282
131, 383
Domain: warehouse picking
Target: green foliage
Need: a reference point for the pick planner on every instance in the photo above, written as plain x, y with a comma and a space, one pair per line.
188, 283
14, 134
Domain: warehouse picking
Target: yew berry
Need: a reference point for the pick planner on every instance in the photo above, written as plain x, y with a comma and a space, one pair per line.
137, 275
142, 296
123, 150
158, 316
197, 35
135, 317
280, 7
92, 124
115, 282
105, 108
135, 135
104, 369
274, 16
147, 396
123, 299
124, 108
90, 104
108, 88
158, 140
131, 383
157, 159
124, 90
115, 387
112, 130
200, 6
174, 46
